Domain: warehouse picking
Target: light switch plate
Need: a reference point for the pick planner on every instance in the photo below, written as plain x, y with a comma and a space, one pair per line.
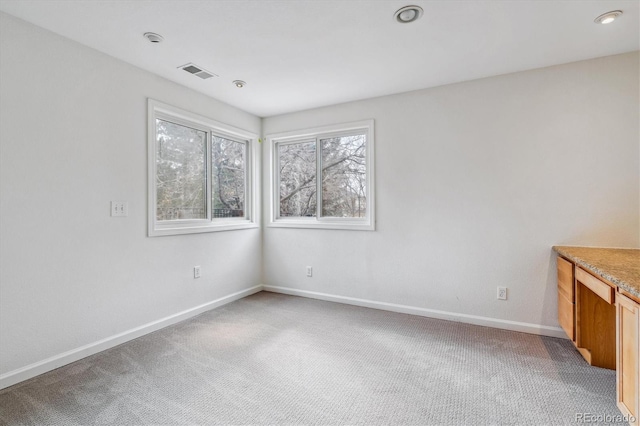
119, 208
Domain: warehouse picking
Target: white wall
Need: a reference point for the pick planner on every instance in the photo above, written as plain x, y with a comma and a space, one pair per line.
475, 182
73, 137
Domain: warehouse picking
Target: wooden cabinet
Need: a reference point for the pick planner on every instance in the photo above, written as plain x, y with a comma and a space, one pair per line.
628, 357
599, 309
586, 312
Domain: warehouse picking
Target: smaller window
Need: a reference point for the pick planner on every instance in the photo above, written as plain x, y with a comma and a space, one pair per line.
202, 174
323, 178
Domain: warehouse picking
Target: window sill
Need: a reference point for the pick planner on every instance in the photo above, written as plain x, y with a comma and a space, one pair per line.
323, 224
180, 229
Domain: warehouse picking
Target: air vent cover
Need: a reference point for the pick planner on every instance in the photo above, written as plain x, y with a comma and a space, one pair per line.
197, 70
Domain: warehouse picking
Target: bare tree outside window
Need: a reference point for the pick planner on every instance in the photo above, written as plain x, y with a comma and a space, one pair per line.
228, 159
297, 175
324, 177
180, 172
344, 176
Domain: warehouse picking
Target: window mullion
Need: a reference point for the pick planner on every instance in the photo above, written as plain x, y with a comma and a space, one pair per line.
318, 179
209, 175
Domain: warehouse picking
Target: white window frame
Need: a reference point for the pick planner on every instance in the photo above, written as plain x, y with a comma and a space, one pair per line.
162, 111
366, 223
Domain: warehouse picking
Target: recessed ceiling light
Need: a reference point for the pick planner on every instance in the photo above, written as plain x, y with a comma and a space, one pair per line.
607, 18
153, 37
239, 83
408, 14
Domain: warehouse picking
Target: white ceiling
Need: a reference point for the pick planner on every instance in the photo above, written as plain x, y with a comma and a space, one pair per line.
300, 54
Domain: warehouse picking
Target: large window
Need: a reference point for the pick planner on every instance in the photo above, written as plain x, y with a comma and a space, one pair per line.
201, 174
323, 178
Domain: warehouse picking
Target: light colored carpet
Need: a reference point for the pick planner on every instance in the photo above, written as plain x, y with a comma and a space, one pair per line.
276, 359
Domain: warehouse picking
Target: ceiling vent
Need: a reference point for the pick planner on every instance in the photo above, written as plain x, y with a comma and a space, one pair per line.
196, 70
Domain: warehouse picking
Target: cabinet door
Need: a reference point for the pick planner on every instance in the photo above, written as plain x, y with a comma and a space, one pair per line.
566, 298
628, 349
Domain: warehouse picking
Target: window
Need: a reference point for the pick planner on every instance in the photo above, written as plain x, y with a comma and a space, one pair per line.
201, 174
323, 178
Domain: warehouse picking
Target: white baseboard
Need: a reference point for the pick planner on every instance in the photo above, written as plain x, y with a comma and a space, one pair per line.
24, 373
543, 330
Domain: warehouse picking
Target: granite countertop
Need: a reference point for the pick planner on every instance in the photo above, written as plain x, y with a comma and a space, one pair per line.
620, 266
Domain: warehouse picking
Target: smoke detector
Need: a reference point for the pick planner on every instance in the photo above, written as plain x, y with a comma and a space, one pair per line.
153, 37
197, 70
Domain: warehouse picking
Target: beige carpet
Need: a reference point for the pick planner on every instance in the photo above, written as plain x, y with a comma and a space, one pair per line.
275, 359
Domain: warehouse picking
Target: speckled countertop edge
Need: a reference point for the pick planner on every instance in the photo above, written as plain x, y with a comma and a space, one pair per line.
629, 287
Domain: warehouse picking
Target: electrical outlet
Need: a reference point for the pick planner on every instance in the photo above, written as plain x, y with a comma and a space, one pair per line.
196, 272
309, 271
119, 208
502, 293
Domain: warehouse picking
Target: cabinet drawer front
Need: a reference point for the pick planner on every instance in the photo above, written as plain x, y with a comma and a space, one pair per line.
565, 279
566, 315
603, 290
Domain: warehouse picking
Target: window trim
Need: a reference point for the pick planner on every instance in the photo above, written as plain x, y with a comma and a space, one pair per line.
162, 111
298, 136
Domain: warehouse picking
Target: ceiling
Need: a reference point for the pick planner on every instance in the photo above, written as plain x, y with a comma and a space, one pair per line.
301, 54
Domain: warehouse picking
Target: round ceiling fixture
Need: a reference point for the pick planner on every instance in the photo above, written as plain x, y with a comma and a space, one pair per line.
153, 37
239, 83
408, 14
607, 18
